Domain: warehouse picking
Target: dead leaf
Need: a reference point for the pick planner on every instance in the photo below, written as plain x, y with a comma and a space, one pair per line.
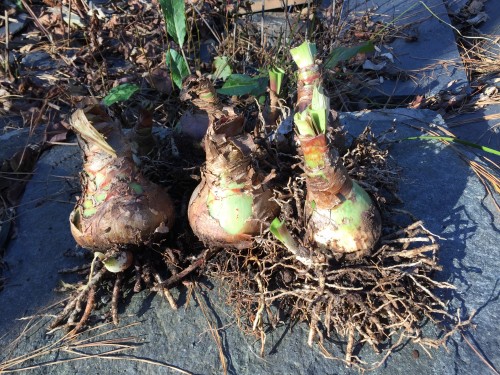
160, 80
55, 132
418, 102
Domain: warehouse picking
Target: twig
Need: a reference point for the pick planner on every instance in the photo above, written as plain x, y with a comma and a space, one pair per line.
37, 22
115, 298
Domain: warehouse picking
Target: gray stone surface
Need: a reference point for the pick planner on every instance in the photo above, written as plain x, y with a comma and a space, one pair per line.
436, 186
13, 137
455, 6
432, 61
491, 28
481, 126
492, 25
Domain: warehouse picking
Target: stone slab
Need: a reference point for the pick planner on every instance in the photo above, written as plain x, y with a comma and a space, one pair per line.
481, 126
432, 61
455, 6
436, 186
491, 28
492, 25
14, 137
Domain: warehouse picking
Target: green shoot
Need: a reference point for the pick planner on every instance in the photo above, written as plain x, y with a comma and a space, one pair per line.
276, 79
313, 120
320, 107
304, 54
304, 124
280, 231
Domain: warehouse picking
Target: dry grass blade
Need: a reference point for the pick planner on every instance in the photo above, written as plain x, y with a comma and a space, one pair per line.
486, 362
487, 171
77, 348
214, 331
485, 175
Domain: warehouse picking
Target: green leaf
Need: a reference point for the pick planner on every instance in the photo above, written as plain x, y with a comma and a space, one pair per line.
120, 93
345, 53
304, 54
303, 124
174, 12
222, 68
242, 84
456, 140
178, 67
276, 76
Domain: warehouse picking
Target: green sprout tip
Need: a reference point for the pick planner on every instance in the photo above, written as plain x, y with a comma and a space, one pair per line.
304, 124
279, 230
275, 79
304, 54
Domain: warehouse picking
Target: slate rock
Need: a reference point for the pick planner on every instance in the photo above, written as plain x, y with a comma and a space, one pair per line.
436, 186
13, 137
481, 127
15, 27
429, 64
455, 6
491, 29
40, 60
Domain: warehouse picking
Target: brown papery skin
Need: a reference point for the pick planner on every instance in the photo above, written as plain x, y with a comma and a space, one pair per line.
325, 190
228, 153
308, 77
133, 209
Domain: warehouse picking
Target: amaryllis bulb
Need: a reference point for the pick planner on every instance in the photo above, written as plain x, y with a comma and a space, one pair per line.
231, 204
118, 206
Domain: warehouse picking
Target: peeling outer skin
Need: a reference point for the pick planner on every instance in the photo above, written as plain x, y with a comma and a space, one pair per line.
127, 208
228, 163
125, 217
343, 218
326, 185
200, 92
308, 76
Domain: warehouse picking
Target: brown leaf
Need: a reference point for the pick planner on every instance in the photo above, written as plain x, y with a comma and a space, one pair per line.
418, 102
160, 80
55, 132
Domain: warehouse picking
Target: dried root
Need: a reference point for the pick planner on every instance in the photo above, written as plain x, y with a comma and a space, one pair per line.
379, 301
104, 283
